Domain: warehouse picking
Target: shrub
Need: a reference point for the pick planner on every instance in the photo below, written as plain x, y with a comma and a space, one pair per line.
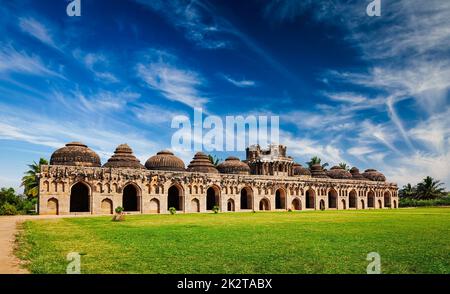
8, 209
409, 202
119, 209
215, 209
172, 210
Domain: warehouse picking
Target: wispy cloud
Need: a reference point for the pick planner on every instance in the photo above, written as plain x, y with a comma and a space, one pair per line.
37, 30
97, 63
161, 72
12, 60
240, 83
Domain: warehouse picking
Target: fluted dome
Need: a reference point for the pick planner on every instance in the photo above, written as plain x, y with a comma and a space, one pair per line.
201, 164
374, 175
299, 170
75, 154
165, 160
337, 172
318, 172
232, 165
123, 157
356, 175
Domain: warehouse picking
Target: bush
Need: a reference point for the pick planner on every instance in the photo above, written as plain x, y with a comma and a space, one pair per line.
215, 209
8, 209
172, 210
119, 209
409, 202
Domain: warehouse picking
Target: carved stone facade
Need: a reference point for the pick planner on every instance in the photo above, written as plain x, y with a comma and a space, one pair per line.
76, 189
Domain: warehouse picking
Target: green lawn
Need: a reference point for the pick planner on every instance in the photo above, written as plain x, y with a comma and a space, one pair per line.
408, 241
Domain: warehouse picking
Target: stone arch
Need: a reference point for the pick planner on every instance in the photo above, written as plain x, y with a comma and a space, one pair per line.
106, 206
52, 206
80, 196
344, 205
387, 199
195, 205
46, 187
246, 198
352, 203
131, 197
175, 197
395, 203
212, 197
371, 199
230, 205
154, 206
280, 198
310, 198
380, 203
362, 204
264, 204
332, 198
296, 204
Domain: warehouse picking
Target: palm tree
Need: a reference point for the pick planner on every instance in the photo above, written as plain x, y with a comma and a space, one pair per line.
408, 191
430, 188
316, 160
214, 160
344, 166
30, 181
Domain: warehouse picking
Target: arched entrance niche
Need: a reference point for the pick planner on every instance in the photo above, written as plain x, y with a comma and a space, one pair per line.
310, 198
264, 204
246, 198
175, 198
332, 198
280, 199
130, 198
79, 198
212, 197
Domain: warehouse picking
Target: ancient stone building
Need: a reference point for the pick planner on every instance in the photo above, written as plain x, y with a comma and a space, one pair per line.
76, 183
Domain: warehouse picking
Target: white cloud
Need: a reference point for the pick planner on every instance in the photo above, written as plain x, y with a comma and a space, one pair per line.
240, 83
12, 60
37, 30
160, 72
97, 63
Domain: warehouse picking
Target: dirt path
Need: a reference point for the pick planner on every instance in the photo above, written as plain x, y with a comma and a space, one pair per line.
9, 263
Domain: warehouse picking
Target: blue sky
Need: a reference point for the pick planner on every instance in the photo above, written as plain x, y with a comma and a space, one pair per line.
369, 91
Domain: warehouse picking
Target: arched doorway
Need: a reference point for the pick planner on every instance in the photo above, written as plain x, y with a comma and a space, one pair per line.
264, 204
344, 206
371, 200
79, 198
310, 198
195, 205
395, 204
332, 199
107, 206
130, 198
154, 206
174, 198
362, 204
246, 198
212, 198
230, 205
352, 199
52, 206
280, 199
380, 204
322, 205
387, 199
296, 205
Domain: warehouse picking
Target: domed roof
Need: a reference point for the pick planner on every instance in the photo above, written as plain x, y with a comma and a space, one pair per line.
201, 164
299, 170
318, 172
232, 165
165, 160
374, 175
75, 154
123, 157
356, 175
336, 172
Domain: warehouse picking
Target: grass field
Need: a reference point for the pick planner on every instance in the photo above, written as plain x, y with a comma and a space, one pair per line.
408, 241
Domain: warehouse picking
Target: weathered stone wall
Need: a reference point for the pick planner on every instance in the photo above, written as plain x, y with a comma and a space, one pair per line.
106, 185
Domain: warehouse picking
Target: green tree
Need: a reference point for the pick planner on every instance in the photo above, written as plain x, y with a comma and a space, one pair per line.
344, 166
214, 160
30, 181
408, 191
316, 160
430, 188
